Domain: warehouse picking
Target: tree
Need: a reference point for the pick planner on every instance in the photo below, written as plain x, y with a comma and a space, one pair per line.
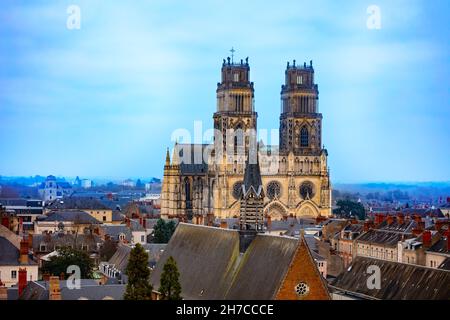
138, 286
170, 287
347, 208
66, 257
163, 231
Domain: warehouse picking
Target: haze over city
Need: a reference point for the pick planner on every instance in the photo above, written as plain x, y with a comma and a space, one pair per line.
103, 101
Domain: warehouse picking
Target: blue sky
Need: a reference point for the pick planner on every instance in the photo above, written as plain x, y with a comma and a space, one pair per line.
103, 101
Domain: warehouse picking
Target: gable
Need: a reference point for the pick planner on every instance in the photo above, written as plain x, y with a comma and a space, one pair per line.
303, 277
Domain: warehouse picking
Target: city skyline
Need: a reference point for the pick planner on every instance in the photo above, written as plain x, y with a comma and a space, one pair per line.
103, 101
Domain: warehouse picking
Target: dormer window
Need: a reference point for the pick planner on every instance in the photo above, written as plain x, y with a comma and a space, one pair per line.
236, 77
299, 79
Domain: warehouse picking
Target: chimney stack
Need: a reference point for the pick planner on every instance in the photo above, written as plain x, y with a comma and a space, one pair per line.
400, 218
269, 222
23, 251
223, 224
54, 290
390, 219
22, 280
426, 237
379, 218
367, 225
5, 222
128, 222
3, 292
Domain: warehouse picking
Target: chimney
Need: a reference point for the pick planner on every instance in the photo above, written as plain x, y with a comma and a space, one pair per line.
54, 290
354, 221
426, 238
144, 223
5, 222
223, 224
438, 225
3, 292
23, 251
400, 218
30, 240
390, 219
367, 225
269, 222
62, 276
379, 218
22, 280
128, 222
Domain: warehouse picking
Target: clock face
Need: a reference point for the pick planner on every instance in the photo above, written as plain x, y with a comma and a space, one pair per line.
237, 190
273, 190
302, 289
307, 190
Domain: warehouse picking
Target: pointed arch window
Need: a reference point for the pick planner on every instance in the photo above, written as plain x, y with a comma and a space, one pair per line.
304, 138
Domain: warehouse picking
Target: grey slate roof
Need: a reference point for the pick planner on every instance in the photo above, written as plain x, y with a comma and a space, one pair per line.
211, 266
383, 237
120, 257
114, 230
116, 216
51, 241
264, 266
9, 254
440, 247
71, 215
77, 203
122, 254
90, 289
205, 257
399, 281
445, 265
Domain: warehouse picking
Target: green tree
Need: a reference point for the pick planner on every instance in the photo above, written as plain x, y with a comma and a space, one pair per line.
170, 288
347, 208
163, 231
138, 286
66, 257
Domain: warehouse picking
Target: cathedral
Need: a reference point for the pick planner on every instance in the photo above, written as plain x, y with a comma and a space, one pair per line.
204, 182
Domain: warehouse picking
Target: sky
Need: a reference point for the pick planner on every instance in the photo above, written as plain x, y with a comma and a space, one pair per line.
103, 100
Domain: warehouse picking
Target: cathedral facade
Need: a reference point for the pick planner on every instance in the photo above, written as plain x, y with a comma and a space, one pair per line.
203, 182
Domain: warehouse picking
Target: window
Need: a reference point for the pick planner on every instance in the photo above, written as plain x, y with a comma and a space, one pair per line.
236, 77
302, 289
43, 247
104, 218
299, 79
142, 238
13, 274
304, 137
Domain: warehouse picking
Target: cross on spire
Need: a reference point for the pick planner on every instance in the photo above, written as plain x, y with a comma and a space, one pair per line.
232, 54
